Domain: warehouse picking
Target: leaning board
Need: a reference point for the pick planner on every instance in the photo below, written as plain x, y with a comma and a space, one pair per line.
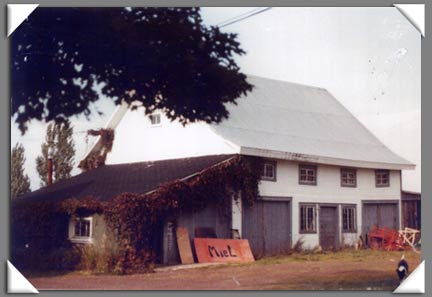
184, 246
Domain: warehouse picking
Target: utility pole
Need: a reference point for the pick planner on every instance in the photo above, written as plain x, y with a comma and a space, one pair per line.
50, 165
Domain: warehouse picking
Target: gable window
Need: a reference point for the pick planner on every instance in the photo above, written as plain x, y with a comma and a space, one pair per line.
349, 218
155, 119
269, 171
382, 178
307, 174
81, 229
348, 177
307, 218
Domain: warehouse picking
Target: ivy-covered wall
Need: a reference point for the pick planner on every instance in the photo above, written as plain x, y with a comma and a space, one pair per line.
134, 220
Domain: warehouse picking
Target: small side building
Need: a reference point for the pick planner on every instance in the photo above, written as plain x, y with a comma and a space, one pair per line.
411, 210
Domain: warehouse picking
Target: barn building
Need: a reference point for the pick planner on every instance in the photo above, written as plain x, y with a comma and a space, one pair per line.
326, 179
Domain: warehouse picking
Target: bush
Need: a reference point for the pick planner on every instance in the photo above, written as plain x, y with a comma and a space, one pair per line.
298, 246
61, 259
100, 257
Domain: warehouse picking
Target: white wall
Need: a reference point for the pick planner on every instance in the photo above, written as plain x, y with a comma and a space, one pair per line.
327, 190
136, 140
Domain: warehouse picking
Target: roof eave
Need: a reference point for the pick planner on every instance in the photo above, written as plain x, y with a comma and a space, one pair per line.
324, 160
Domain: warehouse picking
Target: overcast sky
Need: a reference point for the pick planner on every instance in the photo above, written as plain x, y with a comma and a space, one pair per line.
368, 58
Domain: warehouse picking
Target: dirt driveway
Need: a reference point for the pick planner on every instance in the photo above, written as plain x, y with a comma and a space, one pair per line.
346, 270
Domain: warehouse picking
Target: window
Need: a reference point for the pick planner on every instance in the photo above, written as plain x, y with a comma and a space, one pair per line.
81, 229
382, 178
155, 119
269, 171
307, 219
348, 177
349, 219
307, 174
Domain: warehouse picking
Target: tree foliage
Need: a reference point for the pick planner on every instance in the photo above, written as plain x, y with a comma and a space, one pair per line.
20, 182
59, 138
166, 58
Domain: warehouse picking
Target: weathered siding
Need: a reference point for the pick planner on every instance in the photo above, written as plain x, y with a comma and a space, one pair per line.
267, 226
213, 216
380, 214
411, 210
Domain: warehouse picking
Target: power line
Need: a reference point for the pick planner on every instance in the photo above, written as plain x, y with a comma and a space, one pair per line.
238, 16
242, 17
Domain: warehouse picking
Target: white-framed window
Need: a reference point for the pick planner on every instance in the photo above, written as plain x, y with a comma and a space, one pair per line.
307, 174
81, 229
155, 119
307, 218
269, 171
349, 218
348, 177
382, 178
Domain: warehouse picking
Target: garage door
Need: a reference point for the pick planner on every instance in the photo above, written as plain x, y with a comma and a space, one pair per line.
267, 226
384, 214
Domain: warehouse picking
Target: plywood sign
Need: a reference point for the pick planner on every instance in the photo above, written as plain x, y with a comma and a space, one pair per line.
184, 246
223, 250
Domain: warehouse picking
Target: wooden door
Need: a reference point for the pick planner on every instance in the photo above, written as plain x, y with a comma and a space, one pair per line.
328, 232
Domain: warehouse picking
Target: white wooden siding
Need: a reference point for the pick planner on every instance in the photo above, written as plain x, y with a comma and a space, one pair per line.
327, 190
136, 140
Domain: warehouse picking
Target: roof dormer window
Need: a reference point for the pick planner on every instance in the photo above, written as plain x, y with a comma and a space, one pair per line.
155, 119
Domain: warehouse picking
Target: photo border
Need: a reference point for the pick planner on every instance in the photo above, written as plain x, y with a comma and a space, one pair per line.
5, 134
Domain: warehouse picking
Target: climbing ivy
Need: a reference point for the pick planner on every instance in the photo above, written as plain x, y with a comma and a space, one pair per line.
98, 157
135, 219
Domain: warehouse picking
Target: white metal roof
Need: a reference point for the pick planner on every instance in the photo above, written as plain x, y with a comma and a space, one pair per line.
290, 121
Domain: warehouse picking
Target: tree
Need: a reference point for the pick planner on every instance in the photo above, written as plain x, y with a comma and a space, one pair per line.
59, 139
20, 182
163, 57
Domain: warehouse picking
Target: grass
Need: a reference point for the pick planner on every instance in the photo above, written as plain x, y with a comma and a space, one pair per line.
349, 255
345, 255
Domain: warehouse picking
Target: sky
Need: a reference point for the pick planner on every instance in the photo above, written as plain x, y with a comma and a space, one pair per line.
368, 58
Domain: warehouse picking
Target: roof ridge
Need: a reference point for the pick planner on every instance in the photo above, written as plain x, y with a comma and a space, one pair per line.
285, 81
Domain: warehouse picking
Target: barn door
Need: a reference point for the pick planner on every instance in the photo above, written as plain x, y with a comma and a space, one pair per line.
380, 215
267, 226
252, 228
328, 236
277, 239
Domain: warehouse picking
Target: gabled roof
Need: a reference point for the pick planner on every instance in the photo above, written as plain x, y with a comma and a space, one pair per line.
107, 182
284, 120
291, 121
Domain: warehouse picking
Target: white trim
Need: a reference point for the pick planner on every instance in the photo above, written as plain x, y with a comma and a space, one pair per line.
112, 123
80, 239
322, 160
236, 209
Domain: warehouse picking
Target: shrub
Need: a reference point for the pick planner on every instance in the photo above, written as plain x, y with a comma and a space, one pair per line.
298, 246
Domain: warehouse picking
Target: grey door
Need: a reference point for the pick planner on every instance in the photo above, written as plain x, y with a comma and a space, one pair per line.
328, 232
252, 228
380, 215
267, 226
